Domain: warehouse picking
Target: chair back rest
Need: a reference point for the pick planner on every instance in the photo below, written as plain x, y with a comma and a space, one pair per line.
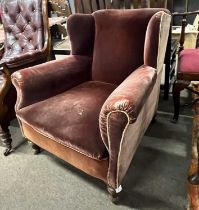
23, 22
87, 7
119, 46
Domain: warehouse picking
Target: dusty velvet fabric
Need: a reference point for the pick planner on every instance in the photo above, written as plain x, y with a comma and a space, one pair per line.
152, 40
46, 80
73, 117
119, 43
81, 30
189, 61
93, 167
121, 108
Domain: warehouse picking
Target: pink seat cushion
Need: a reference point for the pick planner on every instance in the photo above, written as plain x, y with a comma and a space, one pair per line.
71, 118
189, 61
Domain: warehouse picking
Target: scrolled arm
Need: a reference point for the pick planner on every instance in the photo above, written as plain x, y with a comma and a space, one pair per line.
48, 79
120, 109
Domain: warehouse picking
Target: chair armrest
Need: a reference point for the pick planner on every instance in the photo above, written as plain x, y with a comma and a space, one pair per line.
122, 108
27, 58
48, 79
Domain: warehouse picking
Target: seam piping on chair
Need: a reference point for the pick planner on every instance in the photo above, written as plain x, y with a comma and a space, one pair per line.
122, 138
164, 16
54, 139
18, 88
159, 39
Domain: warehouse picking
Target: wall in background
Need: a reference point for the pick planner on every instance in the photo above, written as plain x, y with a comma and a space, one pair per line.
180, 6
72, 5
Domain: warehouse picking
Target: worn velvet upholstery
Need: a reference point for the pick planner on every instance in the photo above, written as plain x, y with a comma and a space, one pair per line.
80, 107
189, 61
123, 41
54, 77
84, 25
103, 115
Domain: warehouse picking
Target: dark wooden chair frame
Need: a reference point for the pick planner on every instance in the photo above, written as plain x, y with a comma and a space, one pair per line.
181, 81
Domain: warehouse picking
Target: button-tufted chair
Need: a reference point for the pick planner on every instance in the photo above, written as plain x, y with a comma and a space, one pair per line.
92, 108
27, 43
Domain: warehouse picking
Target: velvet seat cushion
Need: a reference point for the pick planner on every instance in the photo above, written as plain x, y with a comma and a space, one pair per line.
71, 118
189, 61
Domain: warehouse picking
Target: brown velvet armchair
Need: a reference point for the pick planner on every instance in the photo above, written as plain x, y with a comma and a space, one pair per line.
27, 43
92, 108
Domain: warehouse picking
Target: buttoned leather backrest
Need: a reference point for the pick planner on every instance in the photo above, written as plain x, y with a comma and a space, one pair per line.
23, 26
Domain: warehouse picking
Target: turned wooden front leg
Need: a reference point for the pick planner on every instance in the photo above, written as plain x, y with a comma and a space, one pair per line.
178, 86
194, 178
6, 139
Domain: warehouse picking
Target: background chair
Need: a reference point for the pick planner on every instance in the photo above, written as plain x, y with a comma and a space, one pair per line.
188, 66
27, 43
92, 108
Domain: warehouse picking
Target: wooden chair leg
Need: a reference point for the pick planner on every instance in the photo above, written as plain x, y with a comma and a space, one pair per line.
194, 178
36, 149
178, 86
6, 139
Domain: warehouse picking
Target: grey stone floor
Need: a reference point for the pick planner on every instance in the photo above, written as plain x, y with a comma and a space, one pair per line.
156, 180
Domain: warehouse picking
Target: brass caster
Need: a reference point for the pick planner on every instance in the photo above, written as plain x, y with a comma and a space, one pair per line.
114, 194
194, 179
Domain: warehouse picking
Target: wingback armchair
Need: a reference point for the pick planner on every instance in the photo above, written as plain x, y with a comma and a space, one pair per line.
27, 43
92, 108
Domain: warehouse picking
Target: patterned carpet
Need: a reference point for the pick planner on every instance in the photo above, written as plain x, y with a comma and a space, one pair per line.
193, 190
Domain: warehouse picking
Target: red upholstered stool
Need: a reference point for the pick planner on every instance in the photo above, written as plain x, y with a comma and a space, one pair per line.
188, 70
189, 61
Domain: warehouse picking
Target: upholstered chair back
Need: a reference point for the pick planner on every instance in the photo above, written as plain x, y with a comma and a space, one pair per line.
23, 26
119, 40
